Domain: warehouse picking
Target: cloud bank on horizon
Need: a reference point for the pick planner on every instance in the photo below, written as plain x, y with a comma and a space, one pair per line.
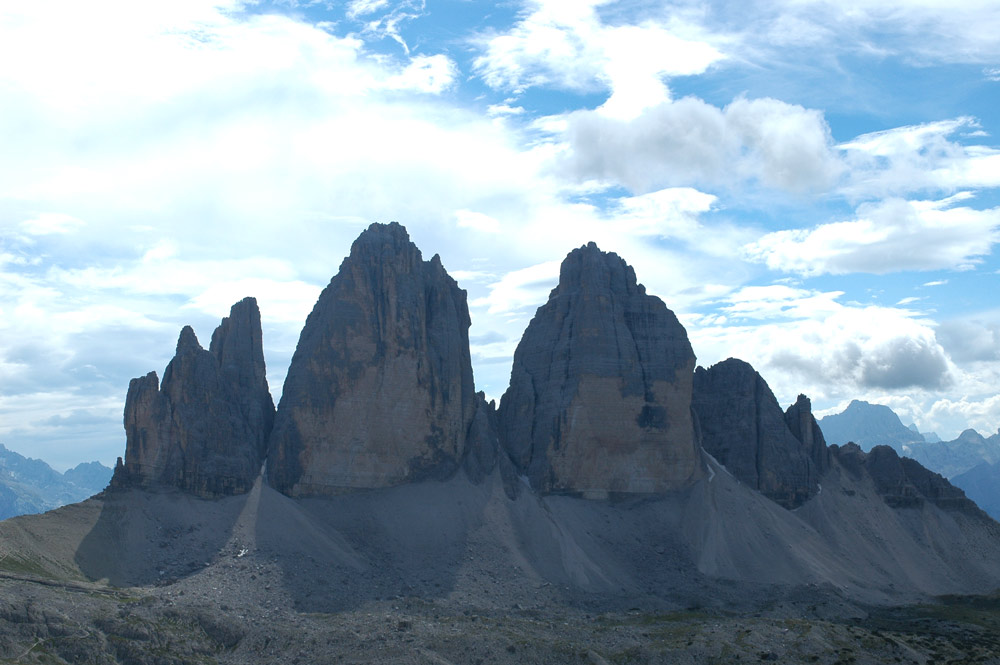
812, 186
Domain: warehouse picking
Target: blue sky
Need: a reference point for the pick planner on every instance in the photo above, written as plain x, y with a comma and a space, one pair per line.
810, 185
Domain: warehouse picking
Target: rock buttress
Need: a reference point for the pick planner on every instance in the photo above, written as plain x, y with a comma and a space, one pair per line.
600, 392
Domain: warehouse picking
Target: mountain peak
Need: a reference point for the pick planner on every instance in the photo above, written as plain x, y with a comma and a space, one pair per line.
600, 392
868, 425
380, 389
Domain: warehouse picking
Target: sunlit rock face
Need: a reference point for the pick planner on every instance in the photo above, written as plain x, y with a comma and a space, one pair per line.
205, 429
380, 389
600, 392
742, 425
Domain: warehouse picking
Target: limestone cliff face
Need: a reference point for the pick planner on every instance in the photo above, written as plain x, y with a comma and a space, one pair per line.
380, 388
600, 392
743, 427
204, 430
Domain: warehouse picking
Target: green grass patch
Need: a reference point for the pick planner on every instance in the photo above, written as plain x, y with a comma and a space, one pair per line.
13, 563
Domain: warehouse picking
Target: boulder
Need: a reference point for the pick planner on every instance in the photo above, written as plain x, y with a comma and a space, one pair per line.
600, 394
379, 391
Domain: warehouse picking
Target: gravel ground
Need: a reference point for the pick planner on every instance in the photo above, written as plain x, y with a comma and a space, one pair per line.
456, 573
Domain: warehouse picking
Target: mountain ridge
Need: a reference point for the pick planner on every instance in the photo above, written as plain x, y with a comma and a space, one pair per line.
474, 506
31, 486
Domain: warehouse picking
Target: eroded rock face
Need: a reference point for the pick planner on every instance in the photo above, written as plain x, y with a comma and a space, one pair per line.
901, 481
743, 427
380, 388
205, 429
600, 392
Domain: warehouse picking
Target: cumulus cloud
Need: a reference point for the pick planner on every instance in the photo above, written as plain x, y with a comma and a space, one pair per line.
426, 73
567, 45
885, 237
905, 362
527, 287
979, 414
971, 339
689, 141
808, 340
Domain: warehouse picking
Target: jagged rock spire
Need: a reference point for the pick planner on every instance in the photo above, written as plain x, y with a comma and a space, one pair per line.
204, 430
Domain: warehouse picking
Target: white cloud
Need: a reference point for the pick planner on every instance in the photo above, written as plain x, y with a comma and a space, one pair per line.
279, 302
689, 141
885, 237
919, 157
518, 289
924, 31
504, 109
356, 8
808, 341
566, 45
973, 338
426, 73
51, 223
384, 19
932, 29
478, 221
983, 415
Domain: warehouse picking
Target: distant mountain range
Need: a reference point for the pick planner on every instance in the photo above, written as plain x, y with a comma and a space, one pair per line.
31, 486
868, 425
971, 461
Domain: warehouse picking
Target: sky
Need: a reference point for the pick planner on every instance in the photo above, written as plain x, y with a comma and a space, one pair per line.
810, 185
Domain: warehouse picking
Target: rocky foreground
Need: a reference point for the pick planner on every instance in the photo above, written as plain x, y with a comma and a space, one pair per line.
42, 624
262, 578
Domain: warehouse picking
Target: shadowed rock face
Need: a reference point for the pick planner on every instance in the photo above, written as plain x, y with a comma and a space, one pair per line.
780, 455
804, 427
901, 481
380, 389
600, 392
205, 429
